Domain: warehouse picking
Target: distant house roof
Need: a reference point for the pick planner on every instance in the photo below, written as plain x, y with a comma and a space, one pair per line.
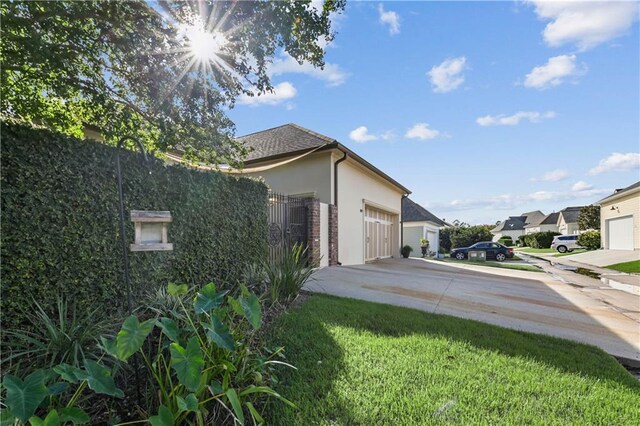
414, 212
514, 223
570, 214
621, 192
290, 139
550, 219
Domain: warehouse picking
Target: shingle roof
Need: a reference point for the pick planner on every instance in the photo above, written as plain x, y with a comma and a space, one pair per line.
414, 212
551, 219
570, 214
621, 191
280, 140
514, 223
290, 139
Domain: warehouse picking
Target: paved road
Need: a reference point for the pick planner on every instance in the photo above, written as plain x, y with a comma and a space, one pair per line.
520, 300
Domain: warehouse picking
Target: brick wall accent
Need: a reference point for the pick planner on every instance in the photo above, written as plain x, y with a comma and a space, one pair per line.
313, 231
333, 235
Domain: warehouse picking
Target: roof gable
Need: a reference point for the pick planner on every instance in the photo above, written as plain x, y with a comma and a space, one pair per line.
570, 214
621, 192
414, 212
514, 223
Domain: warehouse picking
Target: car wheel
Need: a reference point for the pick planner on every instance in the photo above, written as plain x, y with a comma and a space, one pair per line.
460, 256
562, 249
500, 257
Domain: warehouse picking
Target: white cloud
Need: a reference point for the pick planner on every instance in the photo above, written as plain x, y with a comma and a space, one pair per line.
281, 93
448, 75
585, 23
362, 135
512, 120
331, 74
581, 186
390, 18
552, 176
554, 72
421, 131
617, 162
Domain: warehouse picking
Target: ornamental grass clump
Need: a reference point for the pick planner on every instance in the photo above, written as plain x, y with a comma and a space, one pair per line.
287, 276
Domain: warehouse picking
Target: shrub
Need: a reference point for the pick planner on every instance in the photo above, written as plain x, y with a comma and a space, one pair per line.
522, 241
70, 336
540, 239
507, 241
590, 240
286, 276
466, 236
445, 239
406, 250
60, 228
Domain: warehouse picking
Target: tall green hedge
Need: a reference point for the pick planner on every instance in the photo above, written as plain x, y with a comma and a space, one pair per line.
60, 232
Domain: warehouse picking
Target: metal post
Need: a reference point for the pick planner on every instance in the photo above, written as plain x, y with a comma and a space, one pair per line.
123, 238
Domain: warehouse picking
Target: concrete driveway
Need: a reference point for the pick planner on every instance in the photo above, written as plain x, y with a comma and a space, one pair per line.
528, 301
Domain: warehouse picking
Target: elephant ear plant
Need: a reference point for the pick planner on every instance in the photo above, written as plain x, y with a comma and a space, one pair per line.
201, 369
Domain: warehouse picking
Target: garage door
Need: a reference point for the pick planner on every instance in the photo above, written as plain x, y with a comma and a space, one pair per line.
620, 233
378, 227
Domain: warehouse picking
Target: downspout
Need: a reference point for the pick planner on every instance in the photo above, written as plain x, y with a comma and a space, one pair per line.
335, 189
402, 221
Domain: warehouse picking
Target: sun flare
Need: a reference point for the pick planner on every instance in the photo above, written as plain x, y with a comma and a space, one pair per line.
205, 45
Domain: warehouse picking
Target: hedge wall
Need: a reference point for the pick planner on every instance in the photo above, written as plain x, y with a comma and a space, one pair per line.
60, 232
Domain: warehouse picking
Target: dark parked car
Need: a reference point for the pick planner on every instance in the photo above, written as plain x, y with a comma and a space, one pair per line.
495, 251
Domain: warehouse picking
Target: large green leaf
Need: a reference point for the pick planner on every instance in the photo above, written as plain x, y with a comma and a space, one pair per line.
69, 373
23, 397
190, 403
235, 404
100, 380
163, 418
252, 310
131, 336
177, 290
219, 334
169, 328
187, 363
74, 415
52, 419
207, 299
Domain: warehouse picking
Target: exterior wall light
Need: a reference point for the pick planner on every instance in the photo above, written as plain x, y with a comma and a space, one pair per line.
151, 230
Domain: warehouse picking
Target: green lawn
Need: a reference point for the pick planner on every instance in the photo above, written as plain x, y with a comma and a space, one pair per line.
504, 265
629, 267
361, 363
536, 250
575, 251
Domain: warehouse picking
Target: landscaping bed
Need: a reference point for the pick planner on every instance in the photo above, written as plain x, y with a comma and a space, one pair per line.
364, 363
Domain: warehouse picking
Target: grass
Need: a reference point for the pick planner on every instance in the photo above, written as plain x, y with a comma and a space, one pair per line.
362, 363
632, 267
575, 251
536, 250
490, 263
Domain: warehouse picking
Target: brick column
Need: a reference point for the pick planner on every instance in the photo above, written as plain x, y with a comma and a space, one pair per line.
333, 235
313, 231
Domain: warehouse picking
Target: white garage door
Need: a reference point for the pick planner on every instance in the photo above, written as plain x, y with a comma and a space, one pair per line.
378, 227
620, 233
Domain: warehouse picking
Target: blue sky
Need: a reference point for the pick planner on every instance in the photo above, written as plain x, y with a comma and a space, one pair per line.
482, 109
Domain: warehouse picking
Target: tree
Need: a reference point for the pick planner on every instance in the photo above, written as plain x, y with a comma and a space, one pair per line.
589, 218
466, 236
162, 72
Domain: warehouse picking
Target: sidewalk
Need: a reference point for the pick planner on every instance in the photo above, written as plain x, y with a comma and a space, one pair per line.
567, 269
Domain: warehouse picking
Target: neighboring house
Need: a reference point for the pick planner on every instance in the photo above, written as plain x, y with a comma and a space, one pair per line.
568, 220
515, 225
418, 222
548, 224
620, 219
364, 201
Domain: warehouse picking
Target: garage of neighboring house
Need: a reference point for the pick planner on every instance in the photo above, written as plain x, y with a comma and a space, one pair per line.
620, 219
417, 223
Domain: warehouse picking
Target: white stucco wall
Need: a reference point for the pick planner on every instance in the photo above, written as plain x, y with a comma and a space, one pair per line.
513, 234
541, 228
567, 228
625, 206
309, 175
358, 186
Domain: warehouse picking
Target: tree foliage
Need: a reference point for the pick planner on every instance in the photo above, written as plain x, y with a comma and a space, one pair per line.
589, 218
590, 240
464, 236
129, 67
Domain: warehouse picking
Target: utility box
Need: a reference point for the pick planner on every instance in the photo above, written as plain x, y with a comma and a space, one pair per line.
477, 255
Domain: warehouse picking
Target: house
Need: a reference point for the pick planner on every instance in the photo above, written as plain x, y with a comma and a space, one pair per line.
568, 220
514, 226
548, 224
418, 222
620, 219
362, 203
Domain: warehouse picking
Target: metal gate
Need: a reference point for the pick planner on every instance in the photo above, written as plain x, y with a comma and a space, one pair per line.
287, 223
